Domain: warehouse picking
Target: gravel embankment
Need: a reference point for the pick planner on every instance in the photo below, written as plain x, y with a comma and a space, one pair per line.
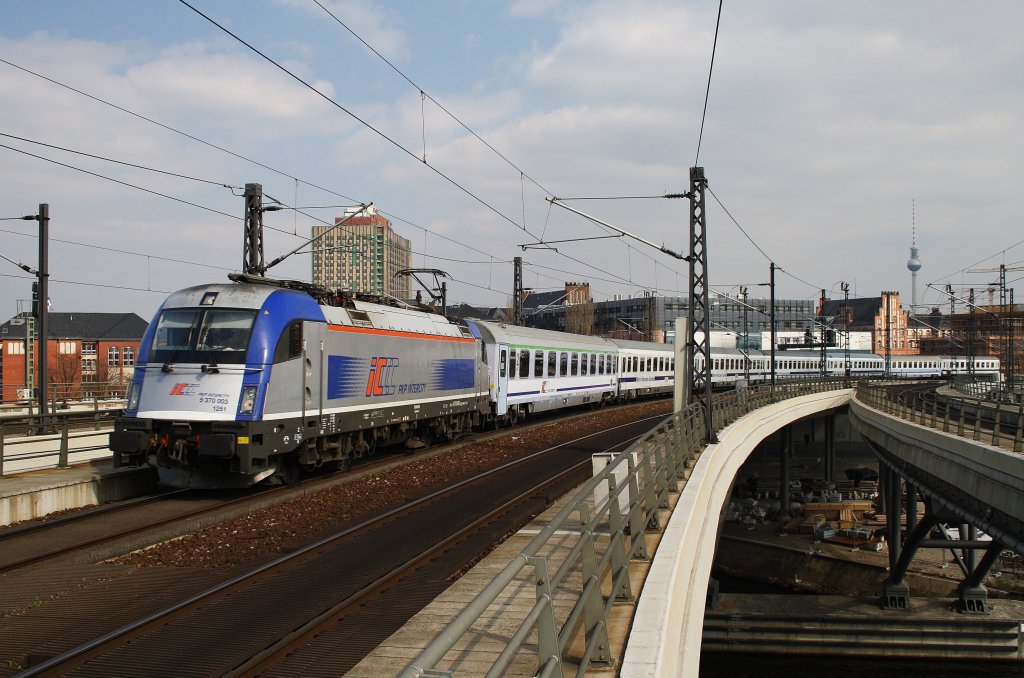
274, 529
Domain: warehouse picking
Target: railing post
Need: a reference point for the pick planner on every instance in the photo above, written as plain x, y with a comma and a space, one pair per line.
945, 417
664, 477
547, 634
62, 459
96, 413
617, 545
2, 447
595, 628
962, 422
636, 525
650, 485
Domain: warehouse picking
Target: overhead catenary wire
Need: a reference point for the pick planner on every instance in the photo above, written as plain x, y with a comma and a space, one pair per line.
123, 183
425, 94
355, 117
707, 93
121, 251
258, 163
378, 132
119, 162
263, 165
88, 284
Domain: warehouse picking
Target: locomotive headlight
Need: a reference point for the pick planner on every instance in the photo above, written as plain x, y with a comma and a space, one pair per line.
247, 403
133, 398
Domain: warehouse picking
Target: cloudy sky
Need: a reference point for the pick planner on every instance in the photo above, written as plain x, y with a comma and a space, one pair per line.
831, 127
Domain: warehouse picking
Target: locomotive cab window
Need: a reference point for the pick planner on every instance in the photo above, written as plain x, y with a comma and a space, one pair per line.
289, 346
207, 335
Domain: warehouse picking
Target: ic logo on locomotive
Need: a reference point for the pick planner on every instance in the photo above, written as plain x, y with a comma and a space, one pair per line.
183, 389
381, 379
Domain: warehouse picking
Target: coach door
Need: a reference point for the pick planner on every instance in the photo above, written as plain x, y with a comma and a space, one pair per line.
501, 388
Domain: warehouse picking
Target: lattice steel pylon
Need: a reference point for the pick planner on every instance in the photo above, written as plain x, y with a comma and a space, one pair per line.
700, 316
252, 252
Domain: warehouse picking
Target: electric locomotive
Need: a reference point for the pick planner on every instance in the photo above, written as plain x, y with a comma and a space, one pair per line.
239, 383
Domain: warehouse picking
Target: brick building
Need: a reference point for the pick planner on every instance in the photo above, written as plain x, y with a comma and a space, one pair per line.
882, 316
89, 354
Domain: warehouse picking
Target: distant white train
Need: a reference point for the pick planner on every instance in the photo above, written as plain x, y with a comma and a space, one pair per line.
731, 365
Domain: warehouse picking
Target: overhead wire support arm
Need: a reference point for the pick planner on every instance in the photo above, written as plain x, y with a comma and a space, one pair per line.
546, 244
362, 208
661, 248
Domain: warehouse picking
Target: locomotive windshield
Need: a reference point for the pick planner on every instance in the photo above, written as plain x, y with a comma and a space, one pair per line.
202, 335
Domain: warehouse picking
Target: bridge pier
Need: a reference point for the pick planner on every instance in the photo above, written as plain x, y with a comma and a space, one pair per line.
971, 593
785, 454
830, 448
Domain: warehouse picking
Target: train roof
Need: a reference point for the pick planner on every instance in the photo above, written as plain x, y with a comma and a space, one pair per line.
392, 318
529, 336
630, 344
228, 295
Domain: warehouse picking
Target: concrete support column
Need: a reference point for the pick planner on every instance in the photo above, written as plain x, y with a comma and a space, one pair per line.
830, 448
911, 508
785, 452
894, 497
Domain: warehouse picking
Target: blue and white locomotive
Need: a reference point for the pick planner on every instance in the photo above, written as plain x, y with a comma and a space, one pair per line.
240, 382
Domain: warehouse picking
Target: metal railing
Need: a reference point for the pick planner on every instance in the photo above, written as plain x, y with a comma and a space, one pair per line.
54, 433
994, 391
610, 514
992, 422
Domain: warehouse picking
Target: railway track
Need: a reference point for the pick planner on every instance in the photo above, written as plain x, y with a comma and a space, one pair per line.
112, 529
224, 620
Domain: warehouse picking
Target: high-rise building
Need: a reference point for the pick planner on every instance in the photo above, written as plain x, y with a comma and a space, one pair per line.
362, 255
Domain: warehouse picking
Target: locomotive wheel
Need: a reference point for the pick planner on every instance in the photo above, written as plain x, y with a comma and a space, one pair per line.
287, 473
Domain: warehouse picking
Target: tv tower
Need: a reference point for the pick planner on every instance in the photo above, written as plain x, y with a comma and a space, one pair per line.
914, 263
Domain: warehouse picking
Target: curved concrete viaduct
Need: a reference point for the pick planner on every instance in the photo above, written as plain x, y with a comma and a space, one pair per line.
978, 483
666, 635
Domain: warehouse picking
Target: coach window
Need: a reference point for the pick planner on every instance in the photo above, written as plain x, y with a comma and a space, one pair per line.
584, 360
575, 364
643, 365
552, 364
593, 364
538, 363
289, 346
563, 364
513, 371
524, 363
